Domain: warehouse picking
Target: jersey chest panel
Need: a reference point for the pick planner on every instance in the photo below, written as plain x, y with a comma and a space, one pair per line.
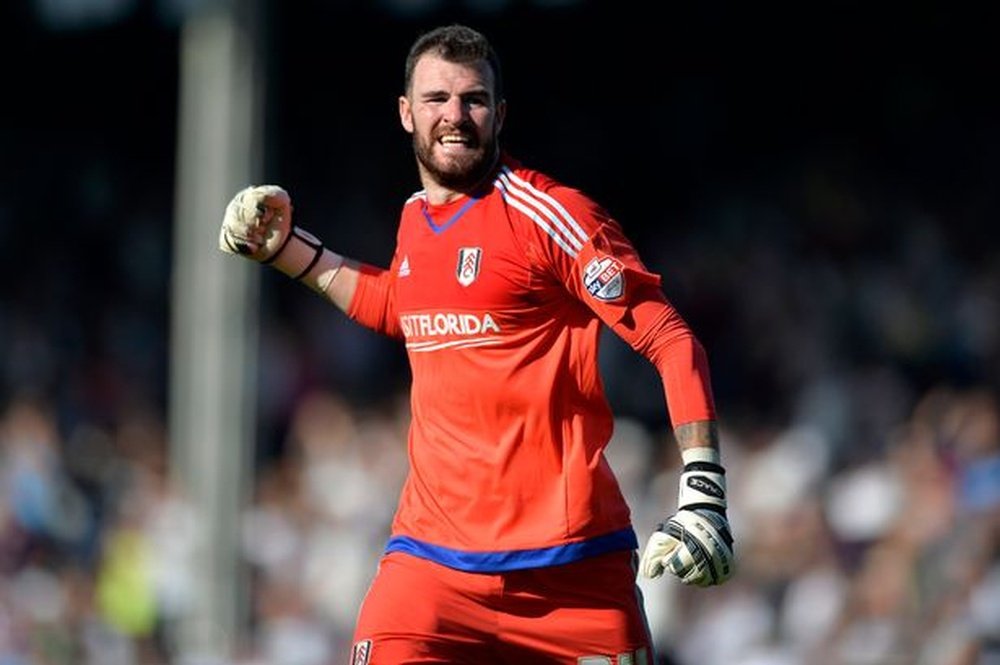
474, 264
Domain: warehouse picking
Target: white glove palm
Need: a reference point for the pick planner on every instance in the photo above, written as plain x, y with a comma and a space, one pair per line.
695, 544
257, 223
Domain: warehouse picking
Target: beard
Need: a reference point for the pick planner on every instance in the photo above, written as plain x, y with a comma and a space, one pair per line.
458, 173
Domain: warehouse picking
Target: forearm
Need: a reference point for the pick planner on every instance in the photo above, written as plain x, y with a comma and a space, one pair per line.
335, 278
696, 543
304, 258
258, 225
697, 434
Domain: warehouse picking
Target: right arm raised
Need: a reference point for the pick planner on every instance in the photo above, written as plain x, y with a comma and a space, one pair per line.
258, 225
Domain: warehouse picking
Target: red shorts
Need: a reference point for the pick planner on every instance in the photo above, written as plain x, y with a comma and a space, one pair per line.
584, 613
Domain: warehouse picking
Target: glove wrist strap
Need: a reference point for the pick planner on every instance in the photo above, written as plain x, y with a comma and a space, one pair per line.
701, 454
703, 481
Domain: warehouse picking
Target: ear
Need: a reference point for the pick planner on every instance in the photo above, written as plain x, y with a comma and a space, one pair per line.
405, 113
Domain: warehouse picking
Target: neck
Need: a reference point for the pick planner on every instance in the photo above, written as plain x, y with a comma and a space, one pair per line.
438, 194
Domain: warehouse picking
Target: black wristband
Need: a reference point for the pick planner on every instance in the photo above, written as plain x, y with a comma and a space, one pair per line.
705, 506
312, 264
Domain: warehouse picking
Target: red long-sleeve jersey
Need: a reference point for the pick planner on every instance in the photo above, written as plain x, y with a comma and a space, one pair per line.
500, 299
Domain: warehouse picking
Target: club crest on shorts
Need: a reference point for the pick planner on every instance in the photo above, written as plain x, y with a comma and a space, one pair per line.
469, 259
361, 652
604, 278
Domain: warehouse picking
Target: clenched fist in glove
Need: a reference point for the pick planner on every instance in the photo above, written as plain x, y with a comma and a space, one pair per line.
258, 225
695, 544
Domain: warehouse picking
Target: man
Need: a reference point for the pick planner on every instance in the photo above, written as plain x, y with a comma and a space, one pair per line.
511, 542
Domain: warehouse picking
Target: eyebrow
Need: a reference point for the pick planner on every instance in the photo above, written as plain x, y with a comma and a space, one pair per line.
475, 91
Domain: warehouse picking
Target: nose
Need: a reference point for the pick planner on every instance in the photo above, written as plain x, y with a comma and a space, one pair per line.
454, 110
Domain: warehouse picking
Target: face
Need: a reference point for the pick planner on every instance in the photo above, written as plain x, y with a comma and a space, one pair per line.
454, 120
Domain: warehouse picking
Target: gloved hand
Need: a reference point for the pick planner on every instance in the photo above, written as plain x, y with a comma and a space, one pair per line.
696, 543
258, 225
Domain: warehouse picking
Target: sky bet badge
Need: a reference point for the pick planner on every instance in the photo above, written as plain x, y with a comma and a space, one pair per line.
361, 652
604, 279
469, 259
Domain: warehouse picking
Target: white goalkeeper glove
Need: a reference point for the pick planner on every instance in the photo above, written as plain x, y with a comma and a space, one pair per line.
695, 544
258, 225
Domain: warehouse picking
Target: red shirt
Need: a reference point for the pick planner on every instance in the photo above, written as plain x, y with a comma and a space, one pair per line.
500, 300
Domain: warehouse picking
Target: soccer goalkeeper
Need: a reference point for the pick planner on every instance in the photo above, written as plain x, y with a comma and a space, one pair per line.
512, 542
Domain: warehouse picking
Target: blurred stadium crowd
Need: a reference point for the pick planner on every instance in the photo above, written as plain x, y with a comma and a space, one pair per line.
849, 300
866, 508
891, 558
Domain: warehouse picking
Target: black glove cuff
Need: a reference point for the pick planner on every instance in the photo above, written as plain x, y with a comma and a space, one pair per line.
704, 466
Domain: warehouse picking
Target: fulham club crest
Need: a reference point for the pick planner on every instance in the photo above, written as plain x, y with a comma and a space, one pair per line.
469, 259
604, 278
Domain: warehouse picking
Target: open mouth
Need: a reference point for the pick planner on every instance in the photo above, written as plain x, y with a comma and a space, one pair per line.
457, 141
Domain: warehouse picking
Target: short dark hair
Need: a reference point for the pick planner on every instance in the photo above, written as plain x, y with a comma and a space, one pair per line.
459, 44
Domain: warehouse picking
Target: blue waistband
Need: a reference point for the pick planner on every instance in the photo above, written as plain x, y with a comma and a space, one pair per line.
498, 562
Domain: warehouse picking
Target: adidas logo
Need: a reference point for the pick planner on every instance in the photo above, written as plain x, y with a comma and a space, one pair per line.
404, 267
